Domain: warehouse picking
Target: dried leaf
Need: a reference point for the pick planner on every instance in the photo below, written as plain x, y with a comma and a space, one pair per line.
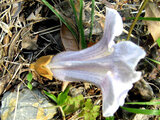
3, 82
152, 10
16, 9
64, 85
68, 40
107, 4
29, 43
6, 42
36, 15
5, 28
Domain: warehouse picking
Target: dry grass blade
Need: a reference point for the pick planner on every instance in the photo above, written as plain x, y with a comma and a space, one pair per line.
5, 28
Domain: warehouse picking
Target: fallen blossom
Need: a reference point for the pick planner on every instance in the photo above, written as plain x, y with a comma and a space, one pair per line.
109, 66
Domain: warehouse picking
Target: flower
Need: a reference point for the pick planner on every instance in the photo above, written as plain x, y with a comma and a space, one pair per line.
108, 65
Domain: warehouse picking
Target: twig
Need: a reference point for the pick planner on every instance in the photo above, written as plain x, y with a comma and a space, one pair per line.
63, 115
15, 112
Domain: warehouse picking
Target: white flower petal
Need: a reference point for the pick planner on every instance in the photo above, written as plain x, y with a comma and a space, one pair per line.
113, 27
115, 90
129, 53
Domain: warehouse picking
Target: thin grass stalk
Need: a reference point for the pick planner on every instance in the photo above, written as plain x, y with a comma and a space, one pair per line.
144, 18
83, 42
155, 61
92, 19
143, 103
75, 12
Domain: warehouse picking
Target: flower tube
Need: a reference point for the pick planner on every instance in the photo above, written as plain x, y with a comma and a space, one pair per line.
109, 66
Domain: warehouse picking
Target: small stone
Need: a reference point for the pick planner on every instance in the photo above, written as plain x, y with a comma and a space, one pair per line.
76, 91
31, 105
143, 117
142, 90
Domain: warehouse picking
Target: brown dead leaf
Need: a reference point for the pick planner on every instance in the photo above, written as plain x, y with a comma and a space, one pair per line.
152, 10
29, 41
68, 40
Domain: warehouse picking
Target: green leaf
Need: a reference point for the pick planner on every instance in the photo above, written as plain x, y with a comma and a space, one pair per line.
90, 111
155, 61
29, 77
53, 97
29, 85
62, 96
73, 104
142, 111
88, 104
144, 103
158, 42
110, 118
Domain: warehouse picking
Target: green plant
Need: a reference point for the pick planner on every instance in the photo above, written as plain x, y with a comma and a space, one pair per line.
110, 118
79, 21
136, 18
158, 42
29, 78
62, 97
144, 18
60, 17
143, 111
70, 104
155, 61
89, 111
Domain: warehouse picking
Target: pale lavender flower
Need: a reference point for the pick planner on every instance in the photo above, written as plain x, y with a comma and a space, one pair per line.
108, 65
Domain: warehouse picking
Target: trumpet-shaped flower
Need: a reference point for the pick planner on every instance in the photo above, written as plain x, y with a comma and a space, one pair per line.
108, 65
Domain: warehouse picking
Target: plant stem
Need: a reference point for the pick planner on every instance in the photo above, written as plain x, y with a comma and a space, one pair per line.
136, 18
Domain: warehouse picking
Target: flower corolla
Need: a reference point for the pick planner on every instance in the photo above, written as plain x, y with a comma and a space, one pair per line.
109, 66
